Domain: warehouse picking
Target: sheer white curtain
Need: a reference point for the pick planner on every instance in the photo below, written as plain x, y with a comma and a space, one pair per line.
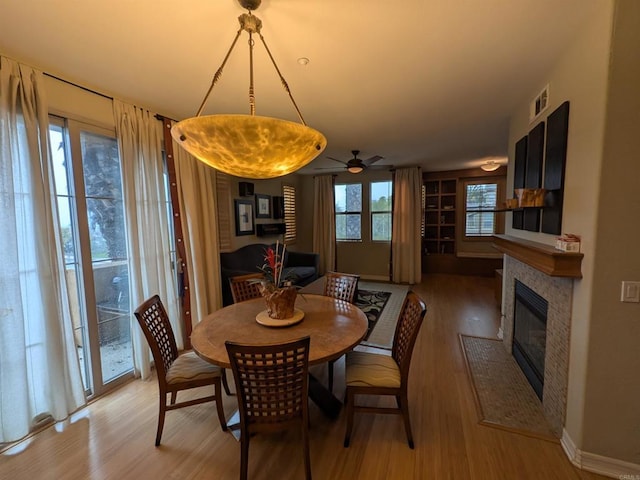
198, 205
140, 141
324, 222
39, 369
406, 236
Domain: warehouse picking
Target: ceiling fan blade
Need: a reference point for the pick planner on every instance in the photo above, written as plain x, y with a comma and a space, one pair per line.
336, 160
370, 161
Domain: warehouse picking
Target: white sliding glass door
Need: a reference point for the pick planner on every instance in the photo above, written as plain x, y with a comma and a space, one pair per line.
89, 194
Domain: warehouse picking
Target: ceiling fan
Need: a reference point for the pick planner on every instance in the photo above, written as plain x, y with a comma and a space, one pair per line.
357, 165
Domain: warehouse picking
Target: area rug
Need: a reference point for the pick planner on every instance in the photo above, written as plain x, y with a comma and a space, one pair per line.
504, 397
382, 315
372, 303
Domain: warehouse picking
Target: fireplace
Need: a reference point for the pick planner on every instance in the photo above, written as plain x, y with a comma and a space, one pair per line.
530, 334
557, 291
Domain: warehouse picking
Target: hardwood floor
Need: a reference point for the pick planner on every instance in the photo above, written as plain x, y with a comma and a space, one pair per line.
113, 437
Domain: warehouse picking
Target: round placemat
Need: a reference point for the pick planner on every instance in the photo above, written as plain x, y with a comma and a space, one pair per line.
263, 318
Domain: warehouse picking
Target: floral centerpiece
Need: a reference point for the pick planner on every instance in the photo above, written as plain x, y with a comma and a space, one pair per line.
279, 294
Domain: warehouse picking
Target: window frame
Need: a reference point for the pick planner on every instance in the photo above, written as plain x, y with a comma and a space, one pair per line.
481, 211
373, 212
348, 212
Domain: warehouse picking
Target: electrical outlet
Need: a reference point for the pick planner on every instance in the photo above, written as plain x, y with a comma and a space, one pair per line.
630, 292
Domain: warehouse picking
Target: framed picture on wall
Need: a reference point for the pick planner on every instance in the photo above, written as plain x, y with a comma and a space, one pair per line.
244, 218
263, 206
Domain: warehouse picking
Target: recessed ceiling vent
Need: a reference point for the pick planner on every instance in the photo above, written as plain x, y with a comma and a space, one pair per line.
539, 104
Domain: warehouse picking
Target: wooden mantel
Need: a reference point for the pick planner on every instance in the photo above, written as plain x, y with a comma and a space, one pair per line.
540, 256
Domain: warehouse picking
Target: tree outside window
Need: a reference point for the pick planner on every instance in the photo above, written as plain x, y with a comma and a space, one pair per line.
381, 199
348, 206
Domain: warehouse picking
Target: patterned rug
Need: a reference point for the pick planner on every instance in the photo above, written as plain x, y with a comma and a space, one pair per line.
372, 303
382, 314
382, 329
503, 395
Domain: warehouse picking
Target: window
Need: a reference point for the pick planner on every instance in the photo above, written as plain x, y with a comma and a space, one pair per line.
348, 198
289, 194
480, 197
381, 194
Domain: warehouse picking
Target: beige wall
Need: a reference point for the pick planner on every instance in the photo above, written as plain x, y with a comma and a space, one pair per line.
611, 425
601, 186
270, 187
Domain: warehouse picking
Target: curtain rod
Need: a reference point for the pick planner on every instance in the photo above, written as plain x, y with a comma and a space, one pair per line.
78, 86
86, 89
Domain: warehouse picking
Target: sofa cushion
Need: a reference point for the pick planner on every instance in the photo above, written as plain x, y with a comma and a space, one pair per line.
300, 275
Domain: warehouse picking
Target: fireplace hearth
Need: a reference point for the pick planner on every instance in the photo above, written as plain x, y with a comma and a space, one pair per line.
530, 334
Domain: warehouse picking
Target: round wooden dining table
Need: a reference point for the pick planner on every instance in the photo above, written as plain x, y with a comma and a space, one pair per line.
335, 327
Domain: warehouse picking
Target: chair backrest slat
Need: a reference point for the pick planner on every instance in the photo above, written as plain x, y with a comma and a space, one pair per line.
271, 380
245, 287
342, 286
411, 317
154, 321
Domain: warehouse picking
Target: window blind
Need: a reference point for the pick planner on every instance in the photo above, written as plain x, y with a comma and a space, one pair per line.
223, 197
289, 194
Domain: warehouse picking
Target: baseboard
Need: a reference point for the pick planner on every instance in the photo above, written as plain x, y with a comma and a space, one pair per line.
609, 467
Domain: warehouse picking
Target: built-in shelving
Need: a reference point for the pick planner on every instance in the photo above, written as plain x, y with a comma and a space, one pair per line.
440, 216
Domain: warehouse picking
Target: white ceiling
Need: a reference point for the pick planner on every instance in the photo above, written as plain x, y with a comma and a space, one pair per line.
428, 82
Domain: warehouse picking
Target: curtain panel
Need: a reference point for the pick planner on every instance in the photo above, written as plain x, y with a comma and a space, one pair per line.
150, 271
406, 237
39, 369
196, 183
324, 222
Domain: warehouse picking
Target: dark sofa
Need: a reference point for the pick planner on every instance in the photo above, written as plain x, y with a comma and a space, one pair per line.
299, 267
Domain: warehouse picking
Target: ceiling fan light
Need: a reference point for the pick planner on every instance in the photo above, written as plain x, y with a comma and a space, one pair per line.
490, 166
355, 169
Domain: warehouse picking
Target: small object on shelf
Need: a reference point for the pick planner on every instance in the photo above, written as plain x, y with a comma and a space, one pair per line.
568, 243
511, 203
530, 197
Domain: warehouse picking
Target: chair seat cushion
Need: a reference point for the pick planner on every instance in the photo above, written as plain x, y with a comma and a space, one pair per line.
364, 369
188, 367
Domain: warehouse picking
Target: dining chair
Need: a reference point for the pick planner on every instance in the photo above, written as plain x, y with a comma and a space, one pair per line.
176, 372
368, 373
343, 286
245, 287
272, 388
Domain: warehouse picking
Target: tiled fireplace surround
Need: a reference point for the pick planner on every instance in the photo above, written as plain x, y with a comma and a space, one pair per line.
558, 292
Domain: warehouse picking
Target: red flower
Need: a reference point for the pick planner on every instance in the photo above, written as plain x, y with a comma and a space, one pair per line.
273, 266
270, 258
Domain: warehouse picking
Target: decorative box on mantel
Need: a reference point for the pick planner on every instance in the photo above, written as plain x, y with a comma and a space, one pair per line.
540, 256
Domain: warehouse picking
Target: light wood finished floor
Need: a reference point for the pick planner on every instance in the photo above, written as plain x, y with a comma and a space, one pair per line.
113, 437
